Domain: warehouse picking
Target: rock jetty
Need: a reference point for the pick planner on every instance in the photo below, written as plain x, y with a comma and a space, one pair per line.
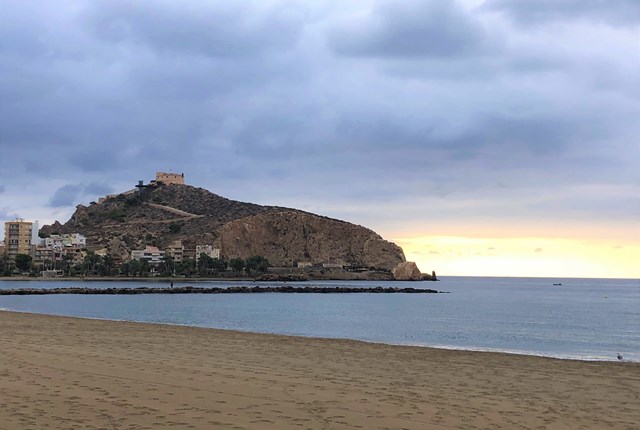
215, 290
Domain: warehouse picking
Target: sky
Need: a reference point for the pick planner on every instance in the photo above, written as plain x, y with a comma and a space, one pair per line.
489, 138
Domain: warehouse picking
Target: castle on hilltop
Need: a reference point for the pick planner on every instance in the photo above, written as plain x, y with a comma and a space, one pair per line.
169, 178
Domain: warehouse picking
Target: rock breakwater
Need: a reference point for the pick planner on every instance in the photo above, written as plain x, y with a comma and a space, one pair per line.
216, 290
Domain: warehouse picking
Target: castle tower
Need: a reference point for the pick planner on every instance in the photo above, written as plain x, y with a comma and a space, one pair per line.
170, 178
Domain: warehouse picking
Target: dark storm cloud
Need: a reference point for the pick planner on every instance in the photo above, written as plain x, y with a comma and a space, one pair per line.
618, 12
412, 29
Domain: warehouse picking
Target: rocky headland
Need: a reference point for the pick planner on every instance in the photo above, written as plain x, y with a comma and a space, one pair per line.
161, 214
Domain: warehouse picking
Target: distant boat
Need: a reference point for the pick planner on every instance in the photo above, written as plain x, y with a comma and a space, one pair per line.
558, 283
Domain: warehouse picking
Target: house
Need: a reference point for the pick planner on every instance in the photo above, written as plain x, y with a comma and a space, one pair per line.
207, 250
150, 253
63, 241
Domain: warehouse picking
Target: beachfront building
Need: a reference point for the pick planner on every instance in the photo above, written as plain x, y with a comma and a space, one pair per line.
150, 253
43, 256
75, 255
18, 237
63, 241
175, 251
56, 246
207, 250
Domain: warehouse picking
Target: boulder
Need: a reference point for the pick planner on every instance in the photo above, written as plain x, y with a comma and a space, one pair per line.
407, 271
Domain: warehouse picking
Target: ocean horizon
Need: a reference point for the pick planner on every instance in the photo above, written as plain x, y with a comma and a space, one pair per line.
583, 318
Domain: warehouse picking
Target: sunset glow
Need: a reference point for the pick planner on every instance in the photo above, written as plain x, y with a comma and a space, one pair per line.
523, 256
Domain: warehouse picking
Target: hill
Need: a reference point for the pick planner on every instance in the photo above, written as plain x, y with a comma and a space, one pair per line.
160, 214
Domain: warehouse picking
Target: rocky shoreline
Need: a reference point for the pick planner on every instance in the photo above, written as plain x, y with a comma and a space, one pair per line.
215, 290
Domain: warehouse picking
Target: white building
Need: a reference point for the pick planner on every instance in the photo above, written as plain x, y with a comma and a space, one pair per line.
207, 250
62, 241
35, 238
150, 253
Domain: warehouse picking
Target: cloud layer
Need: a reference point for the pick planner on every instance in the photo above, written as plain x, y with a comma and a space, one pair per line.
501, 110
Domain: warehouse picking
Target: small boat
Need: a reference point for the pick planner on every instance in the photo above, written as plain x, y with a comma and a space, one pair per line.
558, 283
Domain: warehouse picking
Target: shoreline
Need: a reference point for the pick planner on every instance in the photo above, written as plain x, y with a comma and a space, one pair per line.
69, 371
269, 277
119, 279
452, 348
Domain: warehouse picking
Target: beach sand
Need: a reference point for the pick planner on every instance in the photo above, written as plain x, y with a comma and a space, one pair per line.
64, 373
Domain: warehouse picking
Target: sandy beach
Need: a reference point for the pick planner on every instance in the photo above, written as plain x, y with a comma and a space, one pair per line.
64, 373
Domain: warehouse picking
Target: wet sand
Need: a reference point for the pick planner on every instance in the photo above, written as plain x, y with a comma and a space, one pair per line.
64, 373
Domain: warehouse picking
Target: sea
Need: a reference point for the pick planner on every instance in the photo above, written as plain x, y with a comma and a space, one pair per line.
585, 319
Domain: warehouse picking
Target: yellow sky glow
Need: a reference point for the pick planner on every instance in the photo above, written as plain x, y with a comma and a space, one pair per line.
523, 256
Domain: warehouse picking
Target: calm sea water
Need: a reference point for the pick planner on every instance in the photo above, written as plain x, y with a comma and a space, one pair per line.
591, 319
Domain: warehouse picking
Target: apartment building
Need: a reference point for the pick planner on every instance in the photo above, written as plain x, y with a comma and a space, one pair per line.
175, 251
62, 241
17, 237
150, 253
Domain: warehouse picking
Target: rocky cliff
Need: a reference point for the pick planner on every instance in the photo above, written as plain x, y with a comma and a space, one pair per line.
287, 237
159, 215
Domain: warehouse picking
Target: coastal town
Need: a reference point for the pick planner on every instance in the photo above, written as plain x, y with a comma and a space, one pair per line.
25, 252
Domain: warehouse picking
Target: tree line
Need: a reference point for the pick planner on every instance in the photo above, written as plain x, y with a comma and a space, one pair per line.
105, 265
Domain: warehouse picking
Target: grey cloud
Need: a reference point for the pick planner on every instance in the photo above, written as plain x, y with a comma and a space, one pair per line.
70, 194
5, 213
65, 196
507, 138
94, 160
497, 140
412, 29
227, 29
112, 105
401, 107
97, 189
2, 189
618, 12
